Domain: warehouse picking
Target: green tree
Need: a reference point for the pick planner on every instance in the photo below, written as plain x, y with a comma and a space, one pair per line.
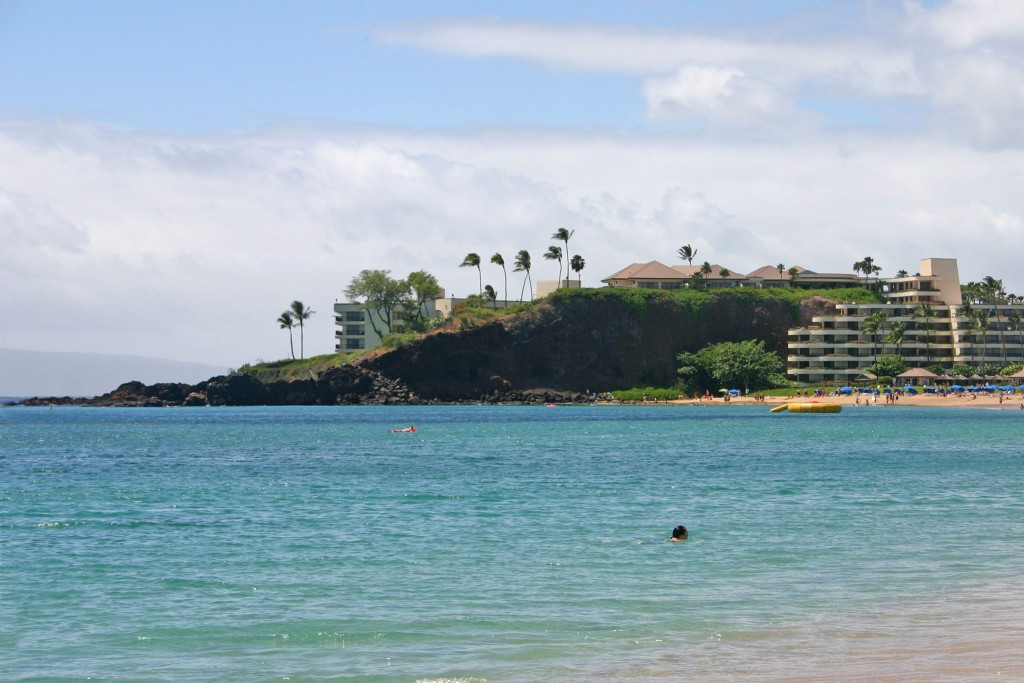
473, 261
888, 366
379, 294
524, 263
706, 270
793, 273
747, 363
901, 273
781, 267
995, 294
424, 288
555, 254
577, 264
563, 234
287, 323
498, 260
301, 314
491, 295
687, 253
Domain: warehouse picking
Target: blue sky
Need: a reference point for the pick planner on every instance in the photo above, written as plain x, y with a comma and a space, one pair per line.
177, 172
189, 66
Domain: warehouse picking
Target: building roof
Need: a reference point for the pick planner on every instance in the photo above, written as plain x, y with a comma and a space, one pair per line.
716, 269
772, 273
652, 270
917, 372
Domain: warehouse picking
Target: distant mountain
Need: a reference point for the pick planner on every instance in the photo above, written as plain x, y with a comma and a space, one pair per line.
42, 373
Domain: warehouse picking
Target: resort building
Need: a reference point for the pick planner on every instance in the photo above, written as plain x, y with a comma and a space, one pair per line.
656, 275
358, 328
923, 320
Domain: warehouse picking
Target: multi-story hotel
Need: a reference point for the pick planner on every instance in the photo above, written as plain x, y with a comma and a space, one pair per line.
935, 331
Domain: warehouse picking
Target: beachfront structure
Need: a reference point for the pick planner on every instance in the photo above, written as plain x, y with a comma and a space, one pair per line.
656, 275
359, 328
936, 330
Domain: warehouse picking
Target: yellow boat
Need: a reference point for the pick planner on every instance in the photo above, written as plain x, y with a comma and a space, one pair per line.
808, 408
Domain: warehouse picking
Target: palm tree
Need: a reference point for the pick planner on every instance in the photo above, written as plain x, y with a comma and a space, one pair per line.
979, 326
555, 254
781, 268
687, 253
994, 295
706, 269
901, 273
490, 294
925, 313
473, 260
564, 234
497, 259
875, 324
577, 264
287, 323
1015, 324
866, 266
523, 262
793, 273
896, 336
302, 314
724, 272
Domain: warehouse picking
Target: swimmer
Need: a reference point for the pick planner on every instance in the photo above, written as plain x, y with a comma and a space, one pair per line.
679, 534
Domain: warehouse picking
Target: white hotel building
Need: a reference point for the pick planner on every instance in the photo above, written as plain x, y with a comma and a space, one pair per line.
836, 348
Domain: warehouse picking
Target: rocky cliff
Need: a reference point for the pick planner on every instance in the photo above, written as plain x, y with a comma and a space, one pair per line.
574, 342
596, 342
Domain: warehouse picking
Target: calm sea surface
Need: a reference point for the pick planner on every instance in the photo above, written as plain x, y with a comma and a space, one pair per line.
511, 544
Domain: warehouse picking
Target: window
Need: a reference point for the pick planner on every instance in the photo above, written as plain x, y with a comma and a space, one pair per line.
354, 316
356, 330
352, 344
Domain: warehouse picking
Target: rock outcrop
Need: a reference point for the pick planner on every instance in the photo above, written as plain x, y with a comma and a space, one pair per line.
562, 350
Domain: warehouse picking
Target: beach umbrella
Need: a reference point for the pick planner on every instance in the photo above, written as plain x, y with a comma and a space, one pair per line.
957, 387
846, 390
734, 392
909, 389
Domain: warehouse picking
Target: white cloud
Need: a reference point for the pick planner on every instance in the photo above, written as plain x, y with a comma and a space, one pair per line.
963, 23
189, 247
868, 67
723, 94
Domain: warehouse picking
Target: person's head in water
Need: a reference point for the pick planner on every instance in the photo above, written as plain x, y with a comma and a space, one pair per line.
679, 533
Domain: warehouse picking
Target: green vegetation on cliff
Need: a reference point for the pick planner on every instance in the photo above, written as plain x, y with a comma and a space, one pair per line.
696, 300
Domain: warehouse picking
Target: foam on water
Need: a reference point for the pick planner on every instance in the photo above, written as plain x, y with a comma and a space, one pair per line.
504, 543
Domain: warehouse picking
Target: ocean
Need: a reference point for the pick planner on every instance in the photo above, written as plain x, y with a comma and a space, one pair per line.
502, 543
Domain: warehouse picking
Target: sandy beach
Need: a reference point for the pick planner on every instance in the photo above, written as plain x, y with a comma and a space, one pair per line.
981, 400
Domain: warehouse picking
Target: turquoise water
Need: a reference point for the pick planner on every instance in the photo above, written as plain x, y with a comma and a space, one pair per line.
510, 543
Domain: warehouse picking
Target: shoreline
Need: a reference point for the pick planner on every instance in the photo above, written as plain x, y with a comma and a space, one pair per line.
1014, 402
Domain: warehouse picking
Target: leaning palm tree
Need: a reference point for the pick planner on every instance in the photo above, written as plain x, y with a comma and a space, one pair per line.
523, 263
473, 261
577, 265
287, 323
687, 253
564, 234
497, 259
555, 254
301, 314
491, 296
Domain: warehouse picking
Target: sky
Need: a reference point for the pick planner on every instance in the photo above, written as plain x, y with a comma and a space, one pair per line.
174, 174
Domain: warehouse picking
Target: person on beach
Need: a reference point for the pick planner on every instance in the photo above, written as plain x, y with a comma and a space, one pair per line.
679, 534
